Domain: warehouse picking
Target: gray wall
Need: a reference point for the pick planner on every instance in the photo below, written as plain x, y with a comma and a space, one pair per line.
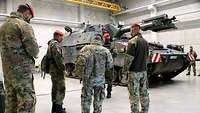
60, 14
186, 11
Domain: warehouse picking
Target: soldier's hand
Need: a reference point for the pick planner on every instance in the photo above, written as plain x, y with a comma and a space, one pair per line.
65, 73
80, 80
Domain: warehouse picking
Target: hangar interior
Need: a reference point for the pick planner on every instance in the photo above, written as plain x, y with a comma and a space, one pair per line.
181, 95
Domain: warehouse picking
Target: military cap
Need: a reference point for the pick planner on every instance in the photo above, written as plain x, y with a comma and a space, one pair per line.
106, 36
24, 7
135, 25
30, 9
58, 32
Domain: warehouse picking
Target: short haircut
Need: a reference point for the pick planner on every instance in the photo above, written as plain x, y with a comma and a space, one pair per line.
22, 8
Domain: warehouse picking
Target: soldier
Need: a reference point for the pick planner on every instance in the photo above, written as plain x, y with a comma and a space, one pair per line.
192, 55
109, 73
91, 65
19, 49
57, 72
2, 95
137, 52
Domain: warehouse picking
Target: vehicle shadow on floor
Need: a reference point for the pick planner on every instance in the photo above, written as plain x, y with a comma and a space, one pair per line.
162, 83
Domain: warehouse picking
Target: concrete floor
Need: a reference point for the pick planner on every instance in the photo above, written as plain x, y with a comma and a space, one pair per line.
181, 95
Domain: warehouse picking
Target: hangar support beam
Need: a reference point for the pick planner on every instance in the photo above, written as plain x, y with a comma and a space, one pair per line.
98, 4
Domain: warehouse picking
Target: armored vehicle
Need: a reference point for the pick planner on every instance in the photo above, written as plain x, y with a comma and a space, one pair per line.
164, 63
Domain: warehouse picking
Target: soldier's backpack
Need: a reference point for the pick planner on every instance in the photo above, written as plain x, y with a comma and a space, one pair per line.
45, 65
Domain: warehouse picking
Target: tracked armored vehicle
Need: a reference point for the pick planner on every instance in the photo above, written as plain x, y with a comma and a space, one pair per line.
163, 63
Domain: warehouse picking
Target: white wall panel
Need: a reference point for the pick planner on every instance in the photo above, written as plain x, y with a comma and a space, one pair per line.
96, 16
57, 10
65, 11
136, 3
171, 37
130, 18
2, 6
148, 37
181, 10
188, 37
1, 70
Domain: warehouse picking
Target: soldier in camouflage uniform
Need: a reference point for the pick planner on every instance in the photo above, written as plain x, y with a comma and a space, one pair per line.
19, 48
109, 73
57, 72
91, 65
2, 93
192, 55
137, 51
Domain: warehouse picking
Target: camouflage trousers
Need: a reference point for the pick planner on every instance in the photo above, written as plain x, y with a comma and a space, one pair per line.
109, 79
58, 87
2, 98
20, 94
137, 87
193, 64
86, 98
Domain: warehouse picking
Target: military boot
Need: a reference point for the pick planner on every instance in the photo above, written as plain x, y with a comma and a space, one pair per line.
194, 73
60, 109
53, 110
108, 95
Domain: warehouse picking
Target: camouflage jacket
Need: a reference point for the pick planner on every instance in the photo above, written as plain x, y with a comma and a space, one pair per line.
91, 64
18, 43
54, 52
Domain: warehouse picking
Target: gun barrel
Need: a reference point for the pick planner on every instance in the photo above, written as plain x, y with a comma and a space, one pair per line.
121, 31
126, 29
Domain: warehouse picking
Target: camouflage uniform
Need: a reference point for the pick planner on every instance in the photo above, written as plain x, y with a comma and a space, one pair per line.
91, 65
109, 80
192, 55
2, 94
109, 74
19, 48
137, 87
56, 70
137, 75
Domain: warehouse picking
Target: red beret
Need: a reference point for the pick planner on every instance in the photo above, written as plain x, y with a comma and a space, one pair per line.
58, 32
30, 9
135, 25
106, 36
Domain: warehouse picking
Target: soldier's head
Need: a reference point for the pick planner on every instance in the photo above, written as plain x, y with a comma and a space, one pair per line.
191, 48
135, 28
58, 35
26, 11
106, 36
97, 40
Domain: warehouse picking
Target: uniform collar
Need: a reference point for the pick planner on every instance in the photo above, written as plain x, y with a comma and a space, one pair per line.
16, 15
138, 34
